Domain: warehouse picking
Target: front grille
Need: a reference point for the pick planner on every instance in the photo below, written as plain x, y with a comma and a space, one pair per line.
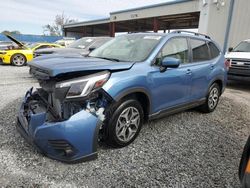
59, 144
240, 67
63, 146
240, 64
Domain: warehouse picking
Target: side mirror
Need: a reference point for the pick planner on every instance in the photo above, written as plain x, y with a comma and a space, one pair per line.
92, 48
170, 62
230, 49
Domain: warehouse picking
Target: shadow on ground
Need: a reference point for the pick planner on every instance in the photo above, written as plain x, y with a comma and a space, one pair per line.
239, 85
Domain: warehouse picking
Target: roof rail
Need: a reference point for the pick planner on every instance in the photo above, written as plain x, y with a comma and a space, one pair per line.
190, 32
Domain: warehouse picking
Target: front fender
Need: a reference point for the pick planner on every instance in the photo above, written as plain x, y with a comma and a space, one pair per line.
118, 88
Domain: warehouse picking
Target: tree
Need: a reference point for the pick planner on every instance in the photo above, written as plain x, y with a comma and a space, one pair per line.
56, 28
6, 32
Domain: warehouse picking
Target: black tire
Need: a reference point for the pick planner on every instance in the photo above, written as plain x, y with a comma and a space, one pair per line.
22, 61
207, 107
110, 124
244, 159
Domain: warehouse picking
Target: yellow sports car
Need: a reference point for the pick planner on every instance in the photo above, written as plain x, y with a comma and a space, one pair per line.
20, 54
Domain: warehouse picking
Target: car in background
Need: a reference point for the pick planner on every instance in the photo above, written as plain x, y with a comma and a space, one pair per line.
5, 44
65, 41
244, 168
108, 94
239, 59
19, 54
42, 45
81, 47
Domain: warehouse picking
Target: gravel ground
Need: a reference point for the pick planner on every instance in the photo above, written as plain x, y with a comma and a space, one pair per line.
188, 149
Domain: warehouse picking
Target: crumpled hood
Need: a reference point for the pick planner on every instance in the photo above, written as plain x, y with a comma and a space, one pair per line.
238, 55
59, 65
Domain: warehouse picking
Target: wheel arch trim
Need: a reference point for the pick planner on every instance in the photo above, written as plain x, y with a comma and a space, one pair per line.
133, 91
218, 81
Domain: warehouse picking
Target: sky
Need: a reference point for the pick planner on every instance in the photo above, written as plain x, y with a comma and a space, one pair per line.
28, 16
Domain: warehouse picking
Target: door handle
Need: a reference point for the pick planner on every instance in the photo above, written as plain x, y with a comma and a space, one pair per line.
189, 72
211, 67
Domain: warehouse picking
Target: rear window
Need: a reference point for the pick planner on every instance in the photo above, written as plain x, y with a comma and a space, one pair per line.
200, 50
215, 52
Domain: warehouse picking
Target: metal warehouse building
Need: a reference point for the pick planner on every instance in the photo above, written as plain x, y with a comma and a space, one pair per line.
226, 21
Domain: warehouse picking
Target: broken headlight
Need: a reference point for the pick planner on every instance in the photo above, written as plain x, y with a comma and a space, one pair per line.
82, 86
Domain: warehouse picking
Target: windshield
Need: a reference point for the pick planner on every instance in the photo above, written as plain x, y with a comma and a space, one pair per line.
81, 43
127, 48
242, 47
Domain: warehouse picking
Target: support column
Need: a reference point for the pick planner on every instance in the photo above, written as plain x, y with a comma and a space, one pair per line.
64, 33
92, 31
155, 25
111, 29
84, 31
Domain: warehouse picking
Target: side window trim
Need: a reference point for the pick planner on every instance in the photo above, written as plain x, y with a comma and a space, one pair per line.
210, 54
160, 51
191, 51
210, 51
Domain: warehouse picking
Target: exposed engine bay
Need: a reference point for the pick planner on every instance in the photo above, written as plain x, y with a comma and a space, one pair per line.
62, 99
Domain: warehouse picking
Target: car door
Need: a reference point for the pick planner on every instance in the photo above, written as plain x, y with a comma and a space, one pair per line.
171, 87
200, 68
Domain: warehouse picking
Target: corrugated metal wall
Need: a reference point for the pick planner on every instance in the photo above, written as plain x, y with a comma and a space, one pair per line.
214, 19
240, 26
32, 38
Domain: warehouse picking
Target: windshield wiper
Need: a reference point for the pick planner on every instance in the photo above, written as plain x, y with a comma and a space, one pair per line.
107, 58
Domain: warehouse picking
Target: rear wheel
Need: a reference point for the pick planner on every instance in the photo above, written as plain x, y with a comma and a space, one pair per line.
18, 60
212, 99
124, 123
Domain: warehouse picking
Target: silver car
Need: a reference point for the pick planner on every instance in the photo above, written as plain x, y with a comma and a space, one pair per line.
80, 47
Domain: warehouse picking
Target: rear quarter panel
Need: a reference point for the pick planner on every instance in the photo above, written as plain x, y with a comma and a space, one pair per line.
27, 53
219, 72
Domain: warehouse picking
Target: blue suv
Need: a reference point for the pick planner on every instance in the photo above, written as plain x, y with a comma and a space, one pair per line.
107, 95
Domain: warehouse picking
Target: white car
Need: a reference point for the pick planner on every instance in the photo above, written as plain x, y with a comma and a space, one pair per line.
239, 58
65, 41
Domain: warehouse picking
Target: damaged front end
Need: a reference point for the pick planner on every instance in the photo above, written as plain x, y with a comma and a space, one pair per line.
63, 118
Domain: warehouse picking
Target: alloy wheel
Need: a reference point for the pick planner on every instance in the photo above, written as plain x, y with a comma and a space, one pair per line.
18, 60
127, 124
213, 98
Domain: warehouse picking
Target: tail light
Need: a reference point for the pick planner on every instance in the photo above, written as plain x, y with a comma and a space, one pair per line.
228, 64
248, 167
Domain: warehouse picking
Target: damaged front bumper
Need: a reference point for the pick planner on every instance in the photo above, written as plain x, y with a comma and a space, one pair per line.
71, 140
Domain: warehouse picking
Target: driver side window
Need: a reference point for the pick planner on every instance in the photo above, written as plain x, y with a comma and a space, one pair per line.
43, 46
176, 48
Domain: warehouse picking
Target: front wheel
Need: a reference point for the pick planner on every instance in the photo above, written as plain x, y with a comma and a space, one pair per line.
18, 60
124, 123
212, 99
